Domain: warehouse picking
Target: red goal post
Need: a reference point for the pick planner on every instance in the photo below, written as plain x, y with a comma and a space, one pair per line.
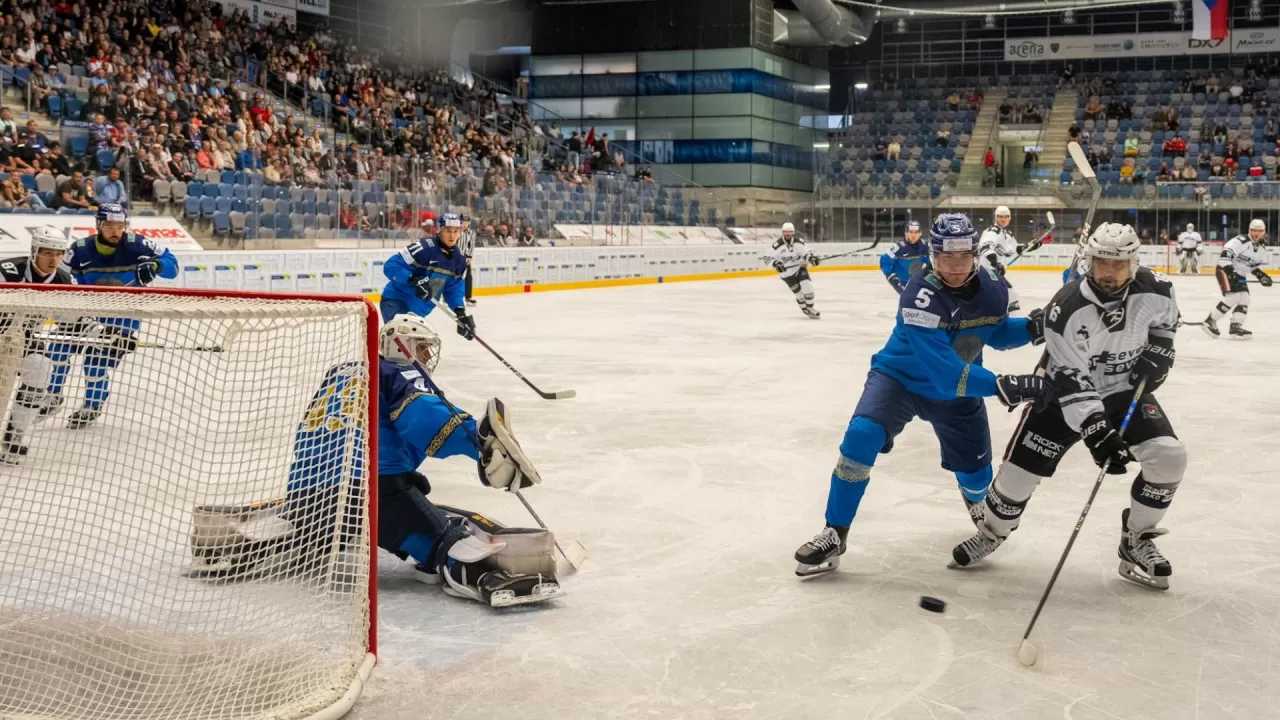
205, 549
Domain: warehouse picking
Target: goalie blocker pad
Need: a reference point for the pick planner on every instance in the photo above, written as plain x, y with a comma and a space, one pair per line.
247, 541
503, 464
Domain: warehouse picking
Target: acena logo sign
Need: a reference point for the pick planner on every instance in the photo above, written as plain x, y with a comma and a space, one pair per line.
1027, 49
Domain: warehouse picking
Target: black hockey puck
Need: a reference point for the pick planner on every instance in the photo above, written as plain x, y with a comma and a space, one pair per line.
932, 604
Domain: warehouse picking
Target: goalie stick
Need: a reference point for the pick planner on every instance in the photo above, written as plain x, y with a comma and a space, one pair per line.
577, 553
1027, 653
558, 395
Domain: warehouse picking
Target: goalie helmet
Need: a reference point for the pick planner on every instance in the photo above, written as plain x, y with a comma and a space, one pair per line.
408, 339
48, 237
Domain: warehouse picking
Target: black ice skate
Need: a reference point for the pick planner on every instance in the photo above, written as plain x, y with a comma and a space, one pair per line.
1210, 327
12, 449
497, 588
810, 311
1140, 560
470, 301
822, 554
83, 418
1238, 332
52, 404
972, 551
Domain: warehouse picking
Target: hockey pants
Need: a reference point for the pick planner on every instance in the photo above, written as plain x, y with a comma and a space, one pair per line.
1235, 294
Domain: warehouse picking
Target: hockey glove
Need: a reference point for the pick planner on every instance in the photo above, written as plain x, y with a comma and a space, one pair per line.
503, 464
814, 260
466, 323
1263, 279
1105, 444
148, 268
1017, 389
427, 287
1035, 326
116, 345
895, 283
779, 267
1153, 364
1031, 246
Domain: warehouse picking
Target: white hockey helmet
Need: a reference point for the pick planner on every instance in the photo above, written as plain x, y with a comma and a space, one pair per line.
1191, 227
788, 228
1113, 241
48, 237
408, 338
1003, 211
1260, 228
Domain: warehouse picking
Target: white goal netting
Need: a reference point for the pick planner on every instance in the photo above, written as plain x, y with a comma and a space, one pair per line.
201, 549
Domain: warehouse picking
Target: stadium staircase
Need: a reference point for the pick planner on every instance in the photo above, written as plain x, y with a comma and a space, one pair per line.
1055, 132
971, 170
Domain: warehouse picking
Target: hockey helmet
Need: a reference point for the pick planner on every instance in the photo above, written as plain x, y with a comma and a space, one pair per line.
1191, 227
1260, 228
48, 237
408, 339
1112, 242
112, 216
1003, 211
950, 235
913, 227
788, 228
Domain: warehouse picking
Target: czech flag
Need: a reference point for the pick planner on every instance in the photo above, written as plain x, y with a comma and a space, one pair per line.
1211, 19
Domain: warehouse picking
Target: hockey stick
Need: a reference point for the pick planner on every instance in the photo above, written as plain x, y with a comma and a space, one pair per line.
874, 243
79, 340
1038, 241
1090, 179
1027, 653
579, 554
558, 395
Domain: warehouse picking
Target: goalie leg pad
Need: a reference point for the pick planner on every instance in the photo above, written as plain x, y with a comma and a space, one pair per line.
239, 541
503, 464
522, 551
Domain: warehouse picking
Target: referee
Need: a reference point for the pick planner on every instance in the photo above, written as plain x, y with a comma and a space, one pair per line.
468, 244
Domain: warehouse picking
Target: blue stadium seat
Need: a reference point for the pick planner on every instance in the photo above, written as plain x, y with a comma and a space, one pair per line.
191, 207
195, 189
106, 159
208, 206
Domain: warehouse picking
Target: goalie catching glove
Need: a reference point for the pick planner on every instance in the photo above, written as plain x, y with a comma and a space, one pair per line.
503, 464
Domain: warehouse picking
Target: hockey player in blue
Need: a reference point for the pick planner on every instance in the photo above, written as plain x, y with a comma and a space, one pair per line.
931, 368
111, 256
432, 268
905, 259
471, 554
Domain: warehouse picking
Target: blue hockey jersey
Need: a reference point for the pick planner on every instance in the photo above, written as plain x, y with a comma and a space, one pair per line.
905, 260
95, 263
445, 269
414, 423
330, 430
936, 347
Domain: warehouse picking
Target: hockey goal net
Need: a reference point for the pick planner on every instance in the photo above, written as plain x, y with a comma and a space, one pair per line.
201, 549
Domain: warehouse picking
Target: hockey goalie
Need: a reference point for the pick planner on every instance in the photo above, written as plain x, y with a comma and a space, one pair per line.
470, 555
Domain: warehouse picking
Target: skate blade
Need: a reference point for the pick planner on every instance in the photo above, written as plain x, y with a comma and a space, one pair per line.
1237, 338
1130, 572
541, 593
805, 572
1208, 332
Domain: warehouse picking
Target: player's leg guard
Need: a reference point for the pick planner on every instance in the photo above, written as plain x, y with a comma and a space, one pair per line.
28, 402
1238, 317
806, 294
863, 440
1164, 462
973, 488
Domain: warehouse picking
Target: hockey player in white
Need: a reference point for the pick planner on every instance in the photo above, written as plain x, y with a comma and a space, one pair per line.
1189, 251
1242, 256
791, 258
43, 266
997, 247
1103, 334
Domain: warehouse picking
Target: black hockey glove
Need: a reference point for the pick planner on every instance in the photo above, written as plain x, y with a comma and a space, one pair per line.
1105, 444
427, 287
1030, 246
148, 268
779, 267
116, 344
895, 283
1035, 326
1014, 390
466, 323
1153, 364
1263, 279
814, 260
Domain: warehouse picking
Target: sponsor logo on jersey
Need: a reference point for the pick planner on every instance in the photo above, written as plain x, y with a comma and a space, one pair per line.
1114, 363
1042, 446
920, 318
1114, 317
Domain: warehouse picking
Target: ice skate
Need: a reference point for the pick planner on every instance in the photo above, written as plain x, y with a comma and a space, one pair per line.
1238, 332
810, 311
822, 554
83, 418
497, 588
12, 449
1140, 560
470, 301
425, 574
52, 404
974, 550
1210, 327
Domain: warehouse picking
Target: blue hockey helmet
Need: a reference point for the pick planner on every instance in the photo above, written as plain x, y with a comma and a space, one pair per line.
953, 248
450, 230
913, 227
451, 220
112, 221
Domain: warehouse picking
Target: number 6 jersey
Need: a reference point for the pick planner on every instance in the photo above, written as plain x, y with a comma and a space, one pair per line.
1093, 343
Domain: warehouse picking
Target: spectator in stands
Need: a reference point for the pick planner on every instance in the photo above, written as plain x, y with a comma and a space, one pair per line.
1126, 171
1140, 175
16, 195
1219, 132
527, 238
1031, 114
58, 163
644, 174
1246, 145
113, 190
1029, 158
1131, 145
574, 147
953, 101
1074, 132
1165, 174
1175, 122
989, 159
1217, 170
942, 138
1256, 170
1269, 134
1213, 84
1160, 119
1068, 76
1205, 161
1188, 173
503, 236
1231, 168
602, 154
895, 149
8, 126
1235, 93
1006, 112
1174, 147
182, 168
1093, 110
1104, 156
74, 194
1233, 151
881, 150
975, 99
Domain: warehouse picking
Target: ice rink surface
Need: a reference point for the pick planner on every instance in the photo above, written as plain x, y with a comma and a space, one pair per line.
695, 460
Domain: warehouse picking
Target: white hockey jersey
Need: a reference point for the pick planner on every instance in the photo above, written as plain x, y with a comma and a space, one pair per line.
1189, 240
1092, 345
1242, 255
793, 257
998, 242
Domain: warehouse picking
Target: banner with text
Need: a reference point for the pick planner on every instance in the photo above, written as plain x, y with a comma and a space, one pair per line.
1084, 47
316, 7
264, 13
15, 231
